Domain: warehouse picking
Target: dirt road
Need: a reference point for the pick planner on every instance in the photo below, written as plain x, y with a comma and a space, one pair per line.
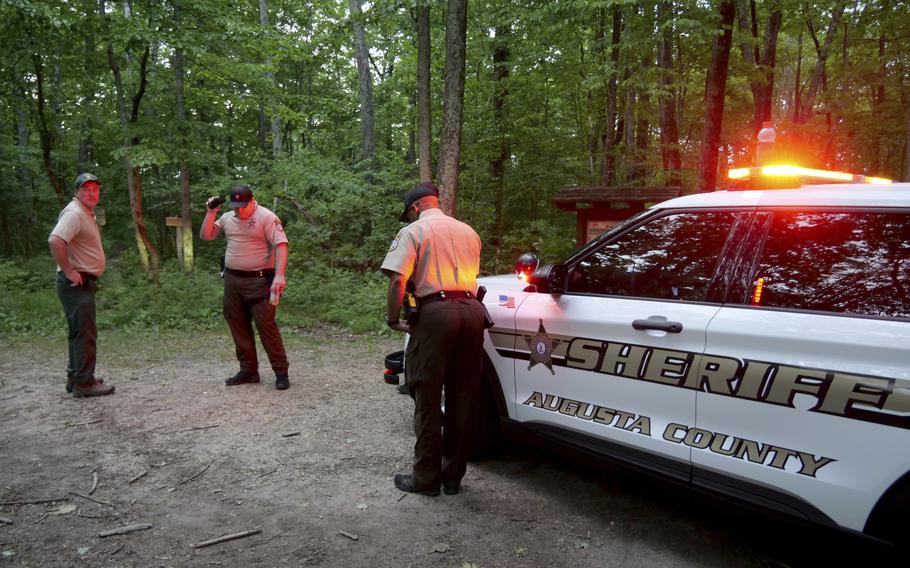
311, 468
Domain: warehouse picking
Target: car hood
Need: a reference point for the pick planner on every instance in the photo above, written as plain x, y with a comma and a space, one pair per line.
502, 283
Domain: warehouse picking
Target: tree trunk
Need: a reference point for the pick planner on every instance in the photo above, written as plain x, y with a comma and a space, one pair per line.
133, 177
453, 104
47, 140
23, 175
715, 90
907, 149
424, 112
769, 63
185, 243
498, 164
669, 127
270, 75
608, 165
365, 83
818, 75
88, 95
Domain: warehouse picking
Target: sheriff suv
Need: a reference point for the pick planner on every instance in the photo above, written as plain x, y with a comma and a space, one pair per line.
751, 343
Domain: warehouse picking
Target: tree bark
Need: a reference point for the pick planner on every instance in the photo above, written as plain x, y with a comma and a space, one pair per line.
669, 127
184, 248
365, 89
270, 75
133, 178
453, 104
818, 75
907, 149
608, 139
44, 132
501, 72
424, 112
715, 90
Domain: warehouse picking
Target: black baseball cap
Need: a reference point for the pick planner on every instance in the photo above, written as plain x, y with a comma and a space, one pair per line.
84, 178
241, 195
415, 194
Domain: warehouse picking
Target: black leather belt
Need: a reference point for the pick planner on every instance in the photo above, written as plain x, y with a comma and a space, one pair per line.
264, 273
443, 295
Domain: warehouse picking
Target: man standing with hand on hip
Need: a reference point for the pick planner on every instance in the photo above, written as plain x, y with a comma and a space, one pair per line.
254, 279
75, 244
441, 256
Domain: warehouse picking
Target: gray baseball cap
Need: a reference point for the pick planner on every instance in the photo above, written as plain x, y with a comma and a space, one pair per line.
241, 195
82, 178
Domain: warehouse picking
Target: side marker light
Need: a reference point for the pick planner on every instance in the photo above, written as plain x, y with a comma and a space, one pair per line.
756, 295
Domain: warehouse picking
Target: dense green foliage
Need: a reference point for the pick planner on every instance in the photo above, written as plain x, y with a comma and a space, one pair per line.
341, 212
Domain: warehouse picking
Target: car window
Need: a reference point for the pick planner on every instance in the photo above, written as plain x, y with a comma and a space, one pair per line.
671, 257
846, 262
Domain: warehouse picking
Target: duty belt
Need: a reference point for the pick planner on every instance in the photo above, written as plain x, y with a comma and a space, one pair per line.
443, 295
264, 273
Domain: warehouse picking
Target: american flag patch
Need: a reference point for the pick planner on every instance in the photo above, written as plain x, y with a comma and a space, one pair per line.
507, 301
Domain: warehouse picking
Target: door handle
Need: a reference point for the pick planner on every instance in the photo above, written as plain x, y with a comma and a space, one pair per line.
657, 324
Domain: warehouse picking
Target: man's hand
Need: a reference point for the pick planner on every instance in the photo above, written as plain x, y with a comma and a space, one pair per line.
401, 326
74, 276
214, 202
278, 285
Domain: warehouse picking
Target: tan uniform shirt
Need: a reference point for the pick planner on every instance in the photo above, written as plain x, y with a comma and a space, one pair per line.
77, 226
251, 242
437, 253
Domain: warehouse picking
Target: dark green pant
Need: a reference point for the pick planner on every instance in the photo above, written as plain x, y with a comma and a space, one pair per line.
445, 351
79, 307
246, 303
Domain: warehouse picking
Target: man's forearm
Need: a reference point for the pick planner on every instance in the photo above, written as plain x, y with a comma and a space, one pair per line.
208, 231
58, 251
395, 296
281, 259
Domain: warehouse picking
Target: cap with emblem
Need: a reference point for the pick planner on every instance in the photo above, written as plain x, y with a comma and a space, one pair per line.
83, 178
415, 194
241, 195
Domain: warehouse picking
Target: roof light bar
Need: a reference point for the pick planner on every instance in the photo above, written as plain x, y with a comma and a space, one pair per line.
791, 171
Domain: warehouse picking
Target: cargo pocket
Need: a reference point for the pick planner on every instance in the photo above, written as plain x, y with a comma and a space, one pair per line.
411, 362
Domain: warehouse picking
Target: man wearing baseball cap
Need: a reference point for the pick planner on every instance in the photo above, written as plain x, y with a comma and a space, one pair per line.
75, 244
254, 279
441, 257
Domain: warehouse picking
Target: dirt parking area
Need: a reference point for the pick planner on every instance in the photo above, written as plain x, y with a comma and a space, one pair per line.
311, 469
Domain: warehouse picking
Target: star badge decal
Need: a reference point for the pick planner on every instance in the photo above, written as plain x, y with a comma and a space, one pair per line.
542, 348
252, 223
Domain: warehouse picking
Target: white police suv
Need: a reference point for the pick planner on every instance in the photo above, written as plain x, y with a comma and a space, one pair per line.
751, 343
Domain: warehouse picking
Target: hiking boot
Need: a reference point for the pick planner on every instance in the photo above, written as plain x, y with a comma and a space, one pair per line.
282, 382
94, 389
451, 489
405, 482
71, 382
242, 378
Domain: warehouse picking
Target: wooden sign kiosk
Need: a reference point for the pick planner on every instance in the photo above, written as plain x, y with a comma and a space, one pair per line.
600, 208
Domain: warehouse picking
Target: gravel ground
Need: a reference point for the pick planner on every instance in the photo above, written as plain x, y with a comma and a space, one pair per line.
311, 468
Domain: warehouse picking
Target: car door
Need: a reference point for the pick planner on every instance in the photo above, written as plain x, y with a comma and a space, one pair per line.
600, 365
808, 409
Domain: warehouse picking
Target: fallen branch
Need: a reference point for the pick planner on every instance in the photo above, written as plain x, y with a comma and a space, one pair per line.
351, 536
290, 434
116, 550
92, 499
38, 502
187, 480
124, 530
86, 423
6, 521
138, 477
94, 483
226, 538
193, 428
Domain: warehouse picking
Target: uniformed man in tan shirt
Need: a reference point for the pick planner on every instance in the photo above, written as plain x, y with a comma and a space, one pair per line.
75, 244
254, 279
441, 257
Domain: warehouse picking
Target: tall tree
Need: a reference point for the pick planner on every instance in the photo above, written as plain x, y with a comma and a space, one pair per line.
453, 104
184, 248
365, 88
822, 50
669, 126
501, 71
270, 77
715, 91
424, 109
609, 135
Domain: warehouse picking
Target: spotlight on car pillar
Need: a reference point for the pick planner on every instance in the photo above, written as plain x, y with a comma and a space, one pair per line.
525, 265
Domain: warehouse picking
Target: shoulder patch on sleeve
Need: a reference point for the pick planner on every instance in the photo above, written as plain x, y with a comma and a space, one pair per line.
394, 243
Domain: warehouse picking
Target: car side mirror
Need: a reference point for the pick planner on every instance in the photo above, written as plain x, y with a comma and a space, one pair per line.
557, 278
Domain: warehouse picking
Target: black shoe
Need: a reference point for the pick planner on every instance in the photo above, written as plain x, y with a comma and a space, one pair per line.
92, 389
281, 382
451, 489
242, 378
71, 382
405, 482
